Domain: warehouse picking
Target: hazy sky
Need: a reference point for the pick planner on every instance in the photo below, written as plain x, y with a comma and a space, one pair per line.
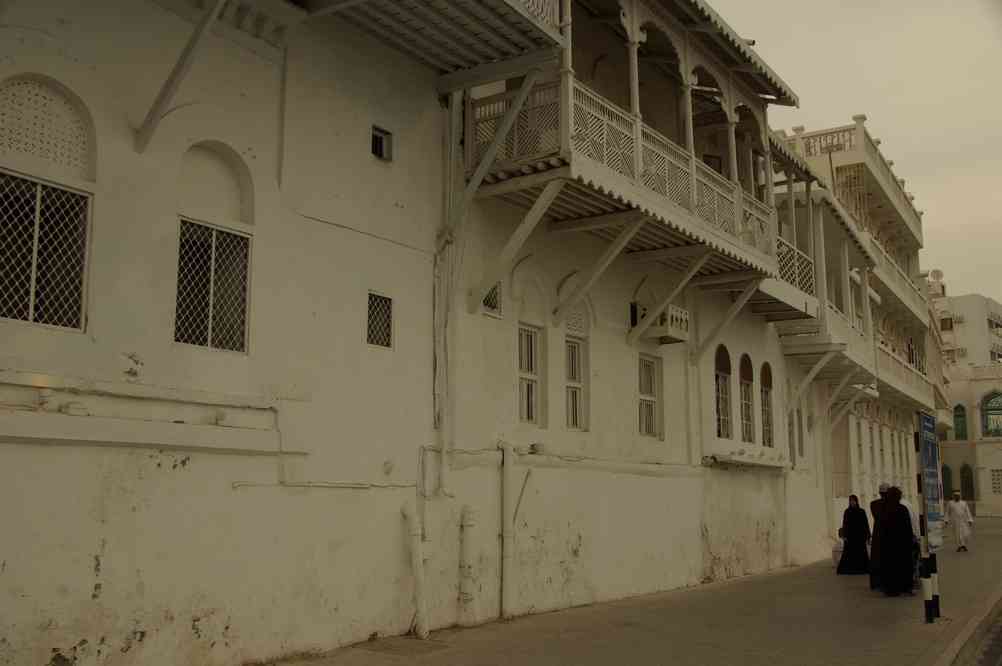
928, 76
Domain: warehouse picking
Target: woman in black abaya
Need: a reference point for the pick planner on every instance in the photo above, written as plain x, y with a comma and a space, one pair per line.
896, 547
856, 532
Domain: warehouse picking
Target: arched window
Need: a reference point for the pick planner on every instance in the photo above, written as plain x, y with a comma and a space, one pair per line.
967, 482
991, 415
213, 267
960, 422
947, 481
767, 427
746, 374
722, 384
44, 227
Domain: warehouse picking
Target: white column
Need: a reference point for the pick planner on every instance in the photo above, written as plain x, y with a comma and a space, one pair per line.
566, 79
732, 152
791, 205
638, 151
820, 267
864, 275
846, 282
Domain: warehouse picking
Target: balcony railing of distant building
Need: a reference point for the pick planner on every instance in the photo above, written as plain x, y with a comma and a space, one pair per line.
891, 365
607, 134
892, 273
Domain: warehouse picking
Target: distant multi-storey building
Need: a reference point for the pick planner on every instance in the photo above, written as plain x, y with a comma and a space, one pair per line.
971, 328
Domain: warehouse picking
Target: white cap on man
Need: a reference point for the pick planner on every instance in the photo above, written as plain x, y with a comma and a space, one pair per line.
884, 487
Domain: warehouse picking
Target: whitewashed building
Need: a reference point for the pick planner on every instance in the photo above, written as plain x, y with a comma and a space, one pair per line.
329, 319
971, 327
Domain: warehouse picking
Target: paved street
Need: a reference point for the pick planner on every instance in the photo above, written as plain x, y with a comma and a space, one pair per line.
805, 616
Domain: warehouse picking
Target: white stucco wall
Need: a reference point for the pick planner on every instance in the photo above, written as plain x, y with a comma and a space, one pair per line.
152, 526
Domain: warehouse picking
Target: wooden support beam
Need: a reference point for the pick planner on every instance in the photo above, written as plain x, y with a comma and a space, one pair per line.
668, 254
335, 7
499, 138
806, 381
653, 314
729, 316
521, 183
498, 71
838, 389
170, 87
596, 222
601, 264
506, 258
860, 392
730, 276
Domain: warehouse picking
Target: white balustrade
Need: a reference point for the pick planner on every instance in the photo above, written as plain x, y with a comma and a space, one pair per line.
607, 134
795, 267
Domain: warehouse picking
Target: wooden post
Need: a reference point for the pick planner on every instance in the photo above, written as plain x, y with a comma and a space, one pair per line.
820, 269
566, 81
846, 282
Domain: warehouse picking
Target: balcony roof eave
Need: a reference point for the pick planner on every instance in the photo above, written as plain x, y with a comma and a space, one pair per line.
784, 94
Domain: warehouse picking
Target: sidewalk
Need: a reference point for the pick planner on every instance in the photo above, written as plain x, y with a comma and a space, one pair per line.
804, 617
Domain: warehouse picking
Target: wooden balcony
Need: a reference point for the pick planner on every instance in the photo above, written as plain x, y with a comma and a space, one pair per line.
672, 326
896, 289
453, 35
903, 383
612, 162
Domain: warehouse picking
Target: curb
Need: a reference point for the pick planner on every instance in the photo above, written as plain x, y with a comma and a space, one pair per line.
978, 624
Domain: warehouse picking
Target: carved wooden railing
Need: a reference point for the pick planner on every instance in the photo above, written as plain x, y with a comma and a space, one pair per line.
546, 12
605, 133
795, 267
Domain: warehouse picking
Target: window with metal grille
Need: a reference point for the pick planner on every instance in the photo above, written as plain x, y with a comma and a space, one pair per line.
859, 442
212, 275
379, 328
529, 378
747, 377
946, 324
382, 143
800, 432
43, 252
767, 426
997, 481
722, 389
492, 301
650, 396
576, 383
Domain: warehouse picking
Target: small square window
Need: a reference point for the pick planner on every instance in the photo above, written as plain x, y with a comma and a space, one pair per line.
382, 144
380, 325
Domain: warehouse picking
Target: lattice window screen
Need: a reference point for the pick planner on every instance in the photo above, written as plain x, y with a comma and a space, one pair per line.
39, 121
492, 302
380, 322
997, 481
43, 251
212, 275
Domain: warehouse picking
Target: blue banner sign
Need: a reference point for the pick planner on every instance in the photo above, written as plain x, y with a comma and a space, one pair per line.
931, 485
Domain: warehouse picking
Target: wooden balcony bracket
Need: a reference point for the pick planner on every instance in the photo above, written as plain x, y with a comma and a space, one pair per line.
860, 391
806, 381
838, 390
477, 179
732, 312
653, 314
504, 261
592, 275
177, 75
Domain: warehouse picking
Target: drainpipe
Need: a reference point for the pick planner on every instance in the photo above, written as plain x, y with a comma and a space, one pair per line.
468, 520
507, 529
417, 566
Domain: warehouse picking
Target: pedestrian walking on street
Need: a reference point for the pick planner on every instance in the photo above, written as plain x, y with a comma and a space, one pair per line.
876, 510
958, 513
916, 534
895, 546
856, 532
